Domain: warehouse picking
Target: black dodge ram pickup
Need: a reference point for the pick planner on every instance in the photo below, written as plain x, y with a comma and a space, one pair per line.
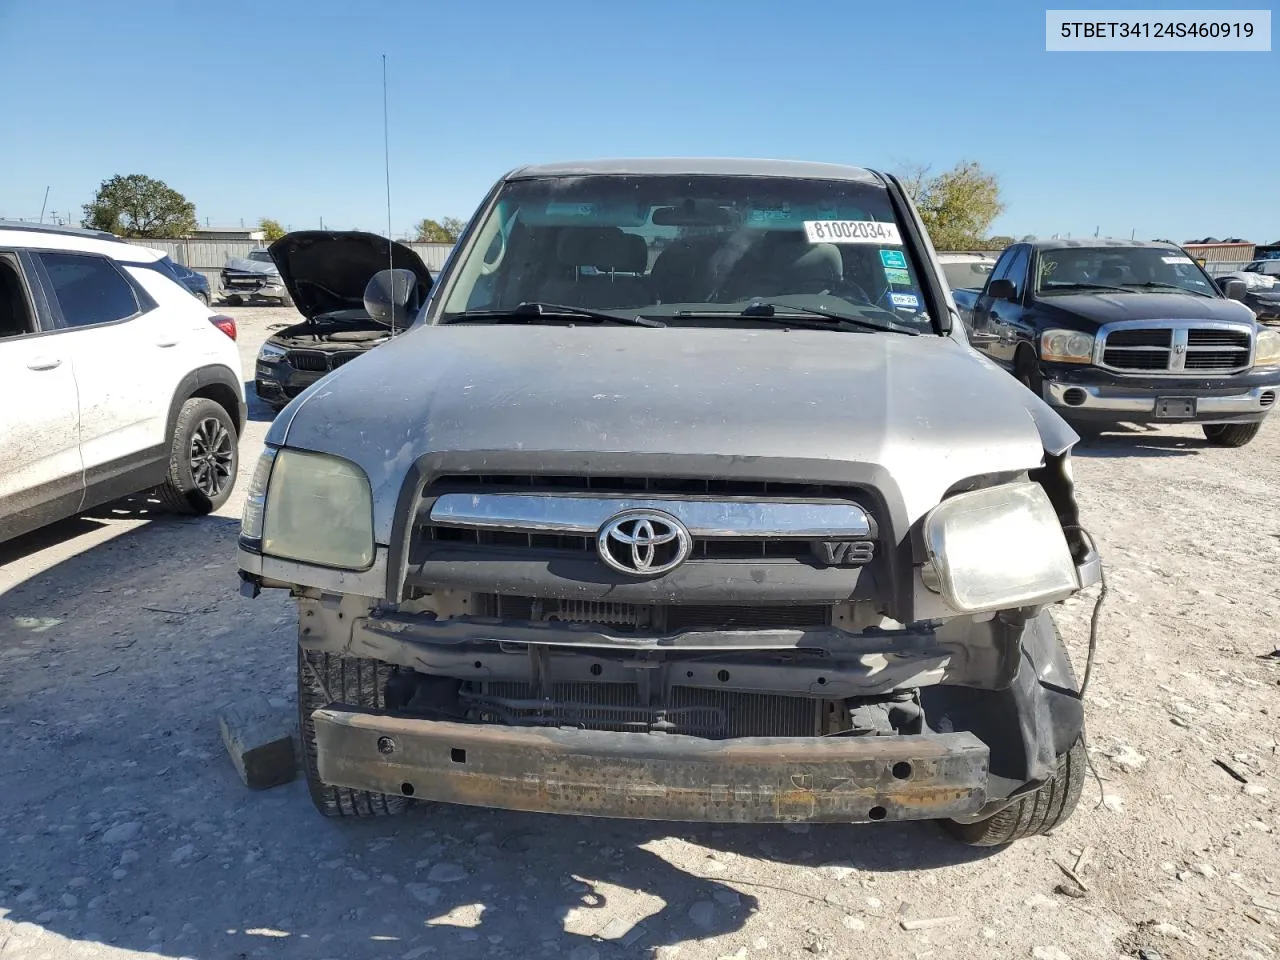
1126, 331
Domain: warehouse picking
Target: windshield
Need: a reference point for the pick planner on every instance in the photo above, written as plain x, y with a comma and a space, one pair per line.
1149, 269
260, 255
692, 250
971, 274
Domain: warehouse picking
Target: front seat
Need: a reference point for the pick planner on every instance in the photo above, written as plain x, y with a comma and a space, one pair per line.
784, 262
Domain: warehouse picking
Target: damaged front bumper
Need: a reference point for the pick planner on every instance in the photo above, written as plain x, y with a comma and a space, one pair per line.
654, 776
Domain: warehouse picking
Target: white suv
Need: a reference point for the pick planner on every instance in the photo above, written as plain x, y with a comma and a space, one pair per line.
113, 380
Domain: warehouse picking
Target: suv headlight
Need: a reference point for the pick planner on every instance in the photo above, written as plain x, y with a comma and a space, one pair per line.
270, 353
998, 548
310, 507
1066, 346
1266, 352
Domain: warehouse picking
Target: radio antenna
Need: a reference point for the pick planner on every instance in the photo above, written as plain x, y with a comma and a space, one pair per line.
386, 150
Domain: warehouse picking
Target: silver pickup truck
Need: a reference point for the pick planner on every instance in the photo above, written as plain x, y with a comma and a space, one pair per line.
685, 498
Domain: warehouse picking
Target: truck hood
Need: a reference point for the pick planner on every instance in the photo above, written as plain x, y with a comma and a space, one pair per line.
918, 413
328, 270
1103, 308
251, 266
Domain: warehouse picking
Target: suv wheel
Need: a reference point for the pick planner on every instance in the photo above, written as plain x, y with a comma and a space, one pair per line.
203, 297
361, 683
1034, 813
1231, 434
203, 458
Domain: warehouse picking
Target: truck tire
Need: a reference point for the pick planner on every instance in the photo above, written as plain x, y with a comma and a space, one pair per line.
203, 458
1027, 369
1230, 434
1035, 813
356, 681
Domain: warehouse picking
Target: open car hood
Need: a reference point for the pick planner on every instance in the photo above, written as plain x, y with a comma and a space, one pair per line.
328, 270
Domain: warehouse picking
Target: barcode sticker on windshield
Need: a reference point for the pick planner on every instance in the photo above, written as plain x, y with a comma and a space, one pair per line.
1176, 259
851, 231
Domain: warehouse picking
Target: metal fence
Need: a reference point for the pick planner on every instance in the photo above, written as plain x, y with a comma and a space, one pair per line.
209, 256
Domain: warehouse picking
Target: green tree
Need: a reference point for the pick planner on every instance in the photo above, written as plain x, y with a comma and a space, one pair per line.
271, 229
140, 206
957, 206
446, 230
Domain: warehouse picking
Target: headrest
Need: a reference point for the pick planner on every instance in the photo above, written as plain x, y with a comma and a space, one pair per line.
605, 248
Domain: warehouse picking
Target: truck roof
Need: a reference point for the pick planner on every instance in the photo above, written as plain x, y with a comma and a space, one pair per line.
695, 166
1099, 242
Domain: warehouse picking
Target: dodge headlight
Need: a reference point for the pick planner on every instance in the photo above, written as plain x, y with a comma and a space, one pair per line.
1066, 346
310, 507
1267, 351
270, 353
998, 548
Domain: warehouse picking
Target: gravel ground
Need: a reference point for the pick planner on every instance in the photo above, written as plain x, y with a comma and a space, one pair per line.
124, 831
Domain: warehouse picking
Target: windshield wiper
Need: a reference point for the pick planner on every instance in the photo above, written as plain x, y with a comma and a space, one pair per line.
814, 317
1051, 287
1170, 286
533, 311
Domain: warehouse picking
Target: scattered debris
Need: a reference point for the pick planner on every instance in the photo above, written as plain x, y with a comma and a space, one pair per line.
927, 923
703, 913
1072, 875
1126, 758
1049, 953
1231, 770
121, 832
259, 738
1069, 890
853, 923
1083, 859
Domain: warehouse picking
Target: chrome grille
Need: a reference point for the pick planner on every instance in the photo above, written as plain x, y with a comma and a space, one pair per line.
1174, 347
737, 549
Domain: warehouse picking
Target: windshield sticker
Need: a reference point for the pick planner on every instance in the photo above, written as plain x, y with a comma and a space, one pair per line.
905, 300
894, 275
555, 209
1186, 260
893, 258
851, 231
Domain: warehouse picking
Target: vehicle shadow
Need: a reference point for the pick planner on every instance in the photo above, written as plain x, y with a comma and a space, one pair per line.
1125, 441
124, 822
259, 410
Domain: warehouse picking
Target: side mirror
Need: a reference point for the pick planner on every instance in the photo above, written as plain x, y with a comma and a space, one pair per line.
1002, 290
1233, 289
389, 296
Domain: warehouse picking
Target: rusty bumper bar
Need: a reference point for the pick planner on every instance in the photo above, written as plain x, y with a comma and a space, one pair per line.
654, 776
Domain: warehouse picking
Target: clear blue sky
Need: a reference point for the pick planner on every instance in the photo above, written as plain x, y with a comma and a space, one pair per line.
274, 108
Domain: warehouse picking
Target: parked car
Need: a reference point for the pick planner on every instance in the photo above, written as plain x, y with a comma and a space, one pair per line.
578, 541
193, 280
1111, 331
1269, 267
254, 277
1261, 294
326, 272
113, 380
966, 274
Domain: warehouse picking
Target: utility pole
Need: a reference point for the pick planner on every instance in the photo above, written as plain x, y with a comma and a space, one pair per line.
42, 205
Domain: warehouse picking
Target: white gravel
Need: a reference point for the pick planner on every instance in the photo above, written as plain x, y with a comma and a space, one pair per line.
125, 831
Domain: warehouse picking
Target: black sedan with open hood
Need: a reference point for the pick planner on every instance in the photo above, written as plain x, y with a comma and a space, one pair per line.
326, 272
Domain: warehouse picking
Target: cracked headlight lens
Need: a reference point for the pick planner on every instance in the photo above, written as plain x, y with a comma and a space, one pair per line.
998, 548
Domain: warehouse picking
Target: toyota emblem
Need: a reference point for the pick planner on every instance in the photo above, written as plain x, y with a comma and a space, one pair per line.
644, 543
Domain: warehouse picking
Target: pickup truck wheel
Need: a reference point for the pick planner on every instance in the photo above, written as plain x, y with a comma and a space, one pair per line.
1035, 813
1028, 372
203, 459
1230, 434
361, 683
